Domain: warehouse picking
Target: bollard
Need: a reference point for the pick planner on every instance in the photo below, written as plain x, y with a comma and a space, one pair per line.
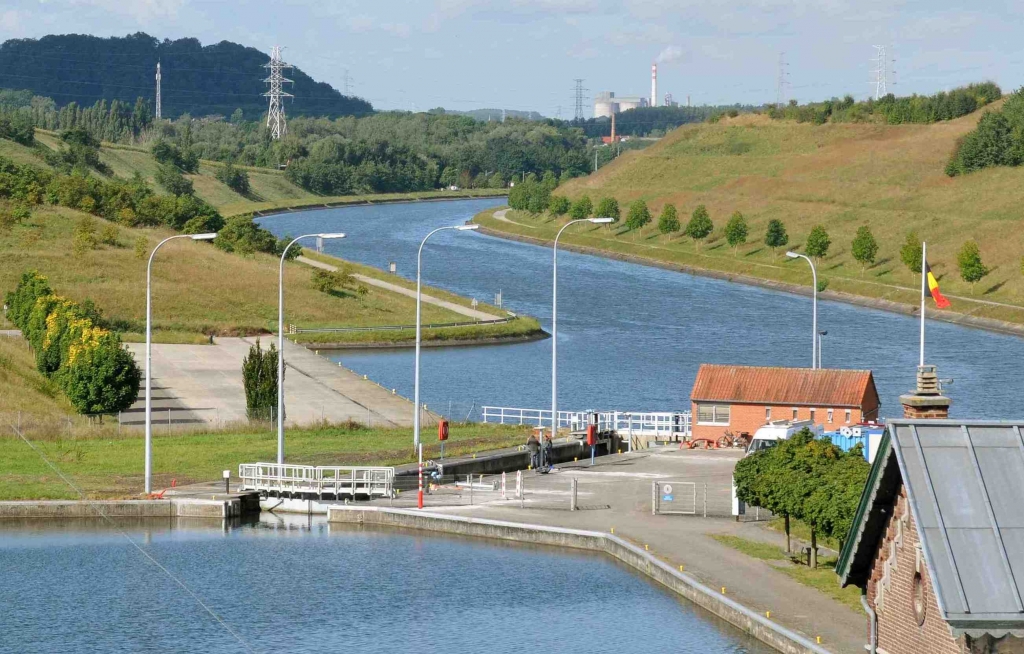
503, 496
680, 568
227, 481
613, 530
723, 590
522, 493
767, 614
469, 480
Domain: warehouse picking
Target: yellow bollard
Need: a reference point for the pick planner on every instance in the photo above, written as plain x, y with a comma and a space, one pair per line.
575, 459
613, 530
647, 548
723, 590
767, 614
818, 639
680, 568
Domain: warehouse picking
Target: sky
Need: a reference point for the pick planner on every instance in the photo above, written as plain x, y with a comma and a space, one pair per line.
525, 54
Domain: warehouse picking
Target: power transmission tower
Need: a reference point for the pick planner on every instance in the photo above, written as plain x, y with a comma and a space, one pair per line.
579, 99
347, 83
275, 114
159, 113
880, 72
780, 95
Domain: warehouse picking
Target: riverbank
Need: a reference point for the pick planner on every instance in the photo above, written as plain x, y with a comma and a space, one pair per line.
600, 241
337, 201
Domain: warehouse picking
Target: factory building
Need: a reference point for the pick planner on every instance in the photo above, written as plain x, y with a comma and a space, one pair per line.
606, 103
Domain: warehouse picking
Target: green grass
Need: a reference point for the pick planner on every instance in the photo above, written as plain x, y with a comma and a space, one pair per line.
822, 579
841, 176
800, 530
521, 327
106, 465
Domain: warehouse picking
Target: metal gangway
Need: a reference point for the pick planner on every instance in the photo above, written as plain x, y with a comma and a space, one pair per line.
646, 425
290, 480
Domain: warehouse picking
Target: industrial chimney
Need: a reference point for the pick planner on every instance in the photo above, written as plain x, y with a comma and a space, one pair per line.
654, 85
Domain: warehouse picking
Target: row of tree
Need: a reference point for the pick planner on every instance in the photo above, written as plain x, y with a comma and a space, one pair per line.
806, 478
87, 361
945, 105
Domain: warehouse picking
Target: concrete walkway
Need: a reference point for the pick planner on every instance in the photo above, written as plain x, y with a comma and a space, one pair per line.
203, 384
401, 290
500, 215
616, 494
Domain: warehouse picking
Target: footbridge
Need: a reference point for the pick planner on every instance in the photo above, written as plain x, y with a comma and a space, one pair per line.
308, 482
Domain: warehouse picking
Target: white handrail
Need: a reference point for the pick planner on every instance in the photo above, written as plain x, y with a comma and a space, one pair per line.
639, 423
332, 480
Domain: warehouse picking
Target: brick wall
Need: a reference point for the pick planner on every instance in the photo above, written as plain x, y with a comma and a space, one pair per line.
891, 592
749, 417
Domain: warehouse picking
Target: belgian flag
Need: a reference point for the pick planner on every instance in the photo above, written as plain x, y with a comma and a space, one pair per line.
931, 288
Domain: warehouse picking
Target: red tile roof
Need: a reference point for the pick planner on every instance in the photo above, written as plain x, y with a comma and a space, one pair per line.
783, 386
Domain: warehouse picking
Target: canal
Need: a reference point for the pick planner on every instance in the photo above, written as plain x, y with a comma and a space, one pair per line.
631, 337
288, 585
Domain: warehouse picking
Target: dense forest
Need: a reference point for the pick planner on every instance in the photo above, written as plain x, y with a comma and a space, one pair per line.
199, 80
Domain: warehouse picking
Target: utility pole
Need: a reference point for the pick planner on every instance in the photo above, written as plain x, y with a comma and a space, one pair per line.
780, 98
502, 115
880, 72
579, 99
275, 113
159, 113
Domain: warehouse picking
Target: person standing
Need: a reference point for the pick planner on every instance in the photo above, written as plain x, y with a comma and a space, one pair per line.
533, 445
549, 452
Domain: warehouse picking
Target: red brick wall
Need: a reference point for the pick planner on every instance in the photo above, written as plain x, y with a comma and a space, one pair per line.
749, 417
898, 631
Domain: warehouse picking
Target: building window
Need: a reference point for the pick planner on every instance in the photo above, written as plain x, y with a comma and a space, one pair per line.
794, 413
848, 415
830, 414
812, 415
920, 605
712, 414
767, 413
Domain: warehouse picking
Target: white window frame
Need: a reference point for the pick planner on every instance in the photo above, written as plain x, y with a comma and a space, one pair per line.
831, 414
796, 412
812, 415
767, 414
716, 409
849, 415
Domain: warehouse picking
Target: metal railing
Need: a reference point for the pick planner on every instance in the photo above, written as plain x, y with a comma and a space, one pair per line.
664, 425
294, 329
316, 480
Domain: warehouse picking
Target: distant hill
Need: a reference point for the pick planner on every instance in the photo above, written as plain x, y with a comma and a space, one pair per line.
199, 80
484, 115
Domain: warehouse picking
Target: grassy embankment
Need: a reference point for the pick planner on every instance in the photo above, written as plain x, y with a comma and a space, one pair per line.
199, 290
839, 175
271, 190
823, 578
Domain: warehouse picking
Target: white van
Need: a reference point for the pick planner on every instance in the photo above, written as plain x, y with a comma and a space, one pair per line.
769, 436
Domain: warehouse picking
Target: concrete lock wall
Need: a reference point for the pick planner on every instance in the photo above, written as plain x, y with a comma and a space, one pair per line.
736, 614
171, 508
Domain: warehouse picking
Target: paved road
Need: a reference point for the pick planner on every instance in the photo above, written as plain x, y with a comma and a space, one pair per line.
203, 384
616, 493
401, 290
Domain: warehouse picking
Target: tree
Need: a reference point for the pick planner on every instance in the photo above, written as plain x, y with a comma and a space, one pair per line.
638, 215
325, 281
259, 376
608, 208
970, 265
736, 231
559, 205
910, 252
864, 247
775, 235
700, 225
668, 221
173, 181
581, 208
234, 178
818, 242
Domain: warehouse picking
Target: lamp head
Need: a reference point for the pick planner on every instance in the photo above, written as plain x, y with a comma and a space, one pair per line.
334, 235
204, 237
466, 228
792, 255
600, 221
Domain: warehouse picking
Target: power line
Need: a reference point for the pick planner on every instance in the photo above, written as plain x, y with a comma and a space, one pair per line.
275, 114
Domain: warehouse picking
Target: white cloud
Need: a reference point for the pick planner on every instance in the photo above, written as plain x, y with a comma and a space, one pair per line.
669, 54
142, 11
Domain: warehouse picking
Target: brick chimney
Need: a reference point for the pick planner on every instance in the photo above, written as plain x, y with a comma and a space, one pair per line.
927, 401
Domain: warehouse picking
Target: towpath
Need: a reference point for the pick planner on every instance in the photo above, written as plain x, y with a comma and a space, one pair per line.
469, 312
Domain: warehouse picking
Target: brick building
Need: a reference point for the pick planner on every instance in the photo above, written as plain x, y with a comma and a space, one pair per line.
739, 399
938, 540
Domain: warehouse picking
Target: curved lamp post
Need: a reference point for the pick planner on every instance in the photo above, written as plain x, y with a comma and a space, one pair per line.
149, 352
554, 325
280, 342
814, 295
416, 366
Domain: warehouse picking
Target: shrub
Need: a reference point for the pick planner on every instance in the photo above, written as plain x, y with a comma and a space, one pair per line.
241, 235
109, 235
235, 179
141, 247
700, 225
970, 265
736, 231
173, 181
325, 281
668, 221
910, 252
864, 247
259, 377
581, 208
559, 205
608, 208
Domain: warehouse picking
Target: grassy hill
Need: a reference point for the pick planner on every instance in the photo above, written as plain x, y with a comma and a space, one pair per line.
271, 190
839, 175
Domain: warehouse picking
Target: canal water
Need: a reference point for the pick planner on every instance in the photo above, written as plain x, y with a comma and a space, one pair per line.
296, 586
631, 337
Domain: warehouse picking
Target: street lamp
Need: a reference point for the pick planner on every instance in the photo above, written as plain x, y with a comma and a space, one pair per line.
149, 352
416, 367
280, 342
554, 325
814, 295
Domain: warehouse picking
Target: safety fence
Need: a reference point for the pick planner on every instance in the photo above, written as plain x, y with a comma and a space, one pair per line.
698, 498
661, 425
296, 480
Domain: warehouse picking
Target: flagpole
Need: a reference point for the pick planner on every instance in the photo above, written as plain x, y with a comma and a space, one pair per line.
924, 280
